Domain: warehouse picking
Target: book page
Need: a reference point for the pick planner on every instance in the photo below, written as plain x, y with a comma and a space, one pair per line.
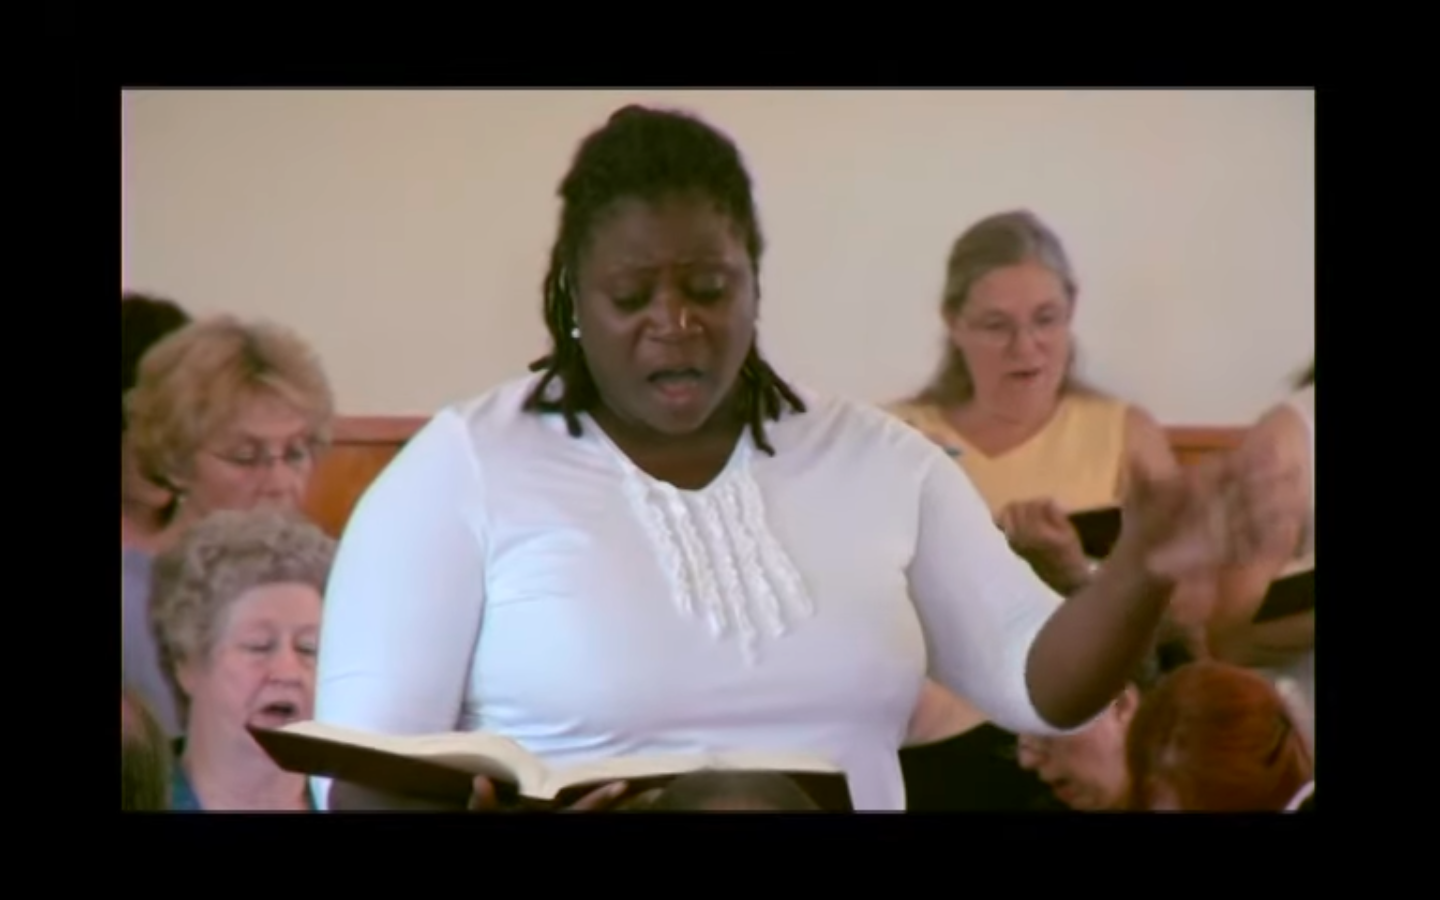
628, 768
1297, 566
476, 752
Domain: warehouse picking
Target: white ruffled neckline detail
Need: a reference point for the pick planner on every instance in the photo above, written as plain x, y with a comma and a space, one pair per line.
724, 564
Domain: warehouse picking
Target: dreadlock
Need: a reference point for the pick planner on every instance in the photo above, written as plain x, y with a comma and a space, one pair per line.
646, 154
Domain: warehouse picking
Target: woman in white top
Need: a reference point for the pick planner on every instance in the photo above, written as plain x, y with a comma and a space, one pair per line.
658, 546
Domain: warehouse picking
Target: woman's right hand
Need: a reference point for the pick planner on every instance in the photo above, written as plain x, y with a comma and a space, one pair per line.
483, 797
1041, 533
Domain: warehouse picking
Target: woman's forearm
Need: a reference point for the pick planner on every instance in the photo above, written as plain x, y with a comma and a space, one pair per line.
1088, 650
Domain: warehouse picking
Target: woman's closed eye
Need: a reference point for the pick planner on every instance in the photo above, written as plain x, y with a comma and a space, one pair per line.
632, 302
707, 289
265, 648
295, 455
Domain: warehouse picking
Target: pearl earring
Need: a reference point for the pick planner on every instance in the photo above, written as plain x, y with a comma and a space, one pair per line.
575, 332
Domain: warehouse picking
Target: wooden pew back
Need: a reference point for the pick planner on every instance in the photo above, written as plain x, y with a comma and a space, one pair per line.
365, 445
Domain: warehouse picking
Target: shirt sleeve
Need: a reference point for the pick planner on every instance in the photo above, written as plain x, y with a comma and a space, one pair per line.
405, 598
981, 605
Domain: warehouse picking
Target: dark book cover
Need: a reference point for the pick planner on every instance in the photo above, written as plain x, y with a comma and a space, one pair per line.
1099, 530
1288, 596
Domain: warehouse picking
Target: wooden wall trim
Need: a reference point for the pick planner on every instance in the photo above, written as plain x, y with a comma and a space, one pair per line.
377, 429
1204, 438
364, 445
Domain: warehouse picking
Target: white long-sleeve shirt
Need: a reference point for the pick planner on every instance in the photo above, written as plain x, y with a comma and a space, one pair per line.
501, 575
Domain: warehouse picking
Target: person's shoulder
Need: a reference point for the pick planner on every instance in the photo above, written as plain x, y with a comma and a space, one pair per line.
911, 410
836, 421
498, 407
458, 441
485, 420
1143, 433
1089, 401
827, 410
135, 566
1123, 424
182, 795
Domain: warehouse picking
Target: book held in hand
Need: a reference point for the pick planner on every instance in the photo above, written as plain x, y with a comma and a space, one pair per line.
1290, 594
1099, 530
442, 766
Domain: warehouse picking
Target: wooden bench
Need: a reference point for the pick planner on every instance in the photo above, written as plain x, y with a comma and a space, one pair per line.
365, 445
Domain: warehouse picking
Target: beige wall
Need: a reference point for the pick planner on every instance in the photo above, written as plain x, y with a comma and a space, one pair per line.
406, 233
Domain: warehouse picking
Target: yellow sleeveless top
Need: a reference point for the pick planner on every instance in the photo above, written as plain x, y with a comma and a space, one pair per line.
1077, 459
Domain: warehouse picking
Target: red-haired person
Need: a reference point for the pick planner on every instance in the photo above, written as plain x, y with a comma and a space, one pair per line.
1214, 737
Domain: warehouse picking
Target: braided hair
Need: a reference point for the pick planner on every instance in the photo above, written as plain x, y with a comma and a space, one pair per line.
646, 154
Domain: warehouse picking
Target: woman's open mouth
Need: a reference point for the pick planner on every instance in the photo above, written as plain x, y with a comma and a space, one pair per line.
276, 714
678, 387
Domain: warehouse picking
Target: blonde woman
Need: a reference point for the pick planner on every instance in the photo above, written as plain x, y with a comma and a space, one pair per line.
235, 608
226, 415
1037, 444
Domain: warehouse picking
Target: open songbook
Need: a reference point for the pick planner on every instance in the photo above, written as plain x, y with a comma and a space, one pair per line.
442, 766
1292, 593
1099, 530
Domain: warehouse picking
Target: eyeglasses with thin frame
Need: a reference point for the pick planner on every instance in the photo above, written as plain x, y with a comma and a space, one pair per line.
296, 457
1001, 332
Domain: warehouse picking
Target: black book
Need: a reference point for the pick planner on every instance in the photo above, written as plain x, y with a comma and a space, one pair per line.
1287, 596
1099, 530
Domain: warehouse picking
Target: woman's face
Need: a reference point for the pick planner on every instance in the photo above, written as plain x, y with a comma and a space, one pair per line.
261, 669
263, 457
666, 307
1014, 330
1087, 770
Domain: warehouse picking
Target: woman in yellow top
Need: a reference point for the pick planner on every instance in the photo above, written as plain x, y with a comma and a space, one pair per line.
1037, 444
